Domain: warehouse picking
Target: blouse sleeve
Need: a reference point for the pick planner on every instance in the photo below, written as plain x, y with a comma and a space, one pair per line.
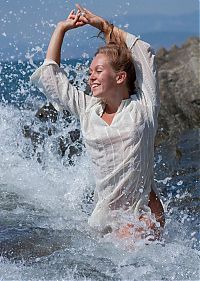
53, 82
146, 73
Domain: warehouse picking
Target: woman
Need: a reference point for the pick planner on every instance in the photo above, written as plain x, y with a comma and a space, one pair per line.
118, 122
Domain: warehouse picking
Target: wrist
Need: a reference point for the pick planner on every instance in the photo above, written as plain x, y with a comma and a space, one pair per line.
100, 24
61, 28
104, 25
107, 28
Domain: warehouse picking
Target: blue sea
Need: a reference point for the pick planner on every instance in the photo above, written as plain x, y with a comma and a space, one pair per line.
46, 197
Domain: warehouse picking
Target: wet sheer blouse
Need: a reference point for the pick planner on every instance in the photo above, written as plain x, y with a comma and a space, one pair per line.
123, 152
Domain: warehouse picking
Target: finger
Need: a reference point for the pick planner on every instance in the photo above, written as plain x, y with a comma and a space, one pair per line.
71, 14
86, 11
79, 7
83, 9
79, 24
83, 20
78, 13
72, 17
83, 17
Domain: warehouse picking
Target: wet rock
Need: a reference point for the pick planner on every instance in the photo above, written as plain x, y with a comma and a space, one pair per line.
65, 145
46, 113
179, 79
71, 147
74, 135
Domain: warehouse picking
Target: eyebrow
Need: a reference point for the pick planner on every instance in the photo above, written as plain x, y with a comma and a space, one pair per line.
96, 66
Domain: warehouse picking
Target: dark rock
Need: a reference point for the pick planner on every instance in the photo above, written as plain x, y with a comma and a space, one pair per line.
36, 137
73, 151
179, 74
162, 52
74, 135
46, 113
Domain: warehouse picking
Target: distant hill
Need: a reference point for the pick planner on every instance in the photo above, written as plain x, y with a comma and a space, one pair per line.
166, 39
139, 24
162, 30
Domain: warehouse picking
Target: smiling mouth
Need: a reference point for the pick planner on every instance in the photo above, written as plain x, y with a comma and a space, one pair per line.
94, 86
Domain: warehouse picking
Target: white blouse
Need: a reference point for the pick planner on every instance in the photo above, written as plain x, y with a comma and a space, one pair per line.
123, 152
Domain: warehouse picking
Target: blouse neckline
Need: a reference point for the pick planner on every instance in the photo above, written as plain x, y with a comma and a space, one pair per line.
122, 105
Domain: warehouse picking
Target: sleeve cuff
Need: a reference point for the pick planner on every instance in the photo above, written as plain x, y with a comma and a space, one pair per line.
49, 61
36, 75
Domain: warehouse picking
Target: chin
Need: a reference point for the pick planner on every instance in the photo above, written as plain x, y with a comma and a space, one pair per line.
96, 94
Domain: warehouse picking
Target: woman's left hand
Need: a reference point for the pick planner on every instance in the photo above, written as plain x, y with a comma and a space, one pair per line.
89, 18
72, 21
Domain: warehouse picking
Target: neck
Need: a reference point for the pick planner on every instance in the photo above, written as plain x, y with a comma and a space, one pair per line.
113, 102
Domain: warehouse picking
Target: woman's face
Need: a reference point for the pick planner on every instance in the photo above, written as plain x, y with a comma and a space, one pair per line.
102, 77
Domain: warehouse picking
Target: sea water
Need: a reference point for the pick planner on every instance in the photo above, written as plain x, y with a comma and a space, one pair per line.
46, 198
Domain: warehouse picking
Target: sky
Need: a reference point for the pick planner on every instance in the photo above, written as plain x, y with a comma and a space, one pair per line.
26, 25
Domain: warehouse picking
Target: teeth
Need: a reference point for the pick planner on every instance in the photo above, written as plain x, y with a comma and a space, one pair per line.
94, 86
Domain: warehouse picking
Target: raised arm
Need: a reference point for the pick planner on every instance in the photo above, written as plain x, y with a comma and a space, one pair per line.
52, 80
54, 48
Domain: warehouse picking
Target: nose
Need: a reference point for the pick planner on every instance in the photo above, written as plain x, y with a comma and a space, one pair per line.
92, 75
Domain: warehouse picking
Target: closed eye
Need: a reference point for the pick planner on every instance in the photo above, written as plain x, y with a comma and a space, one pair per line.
97, 71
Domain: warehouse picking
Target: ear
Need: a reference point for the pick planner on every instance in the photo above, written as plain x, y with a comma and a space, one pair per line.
121, 77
